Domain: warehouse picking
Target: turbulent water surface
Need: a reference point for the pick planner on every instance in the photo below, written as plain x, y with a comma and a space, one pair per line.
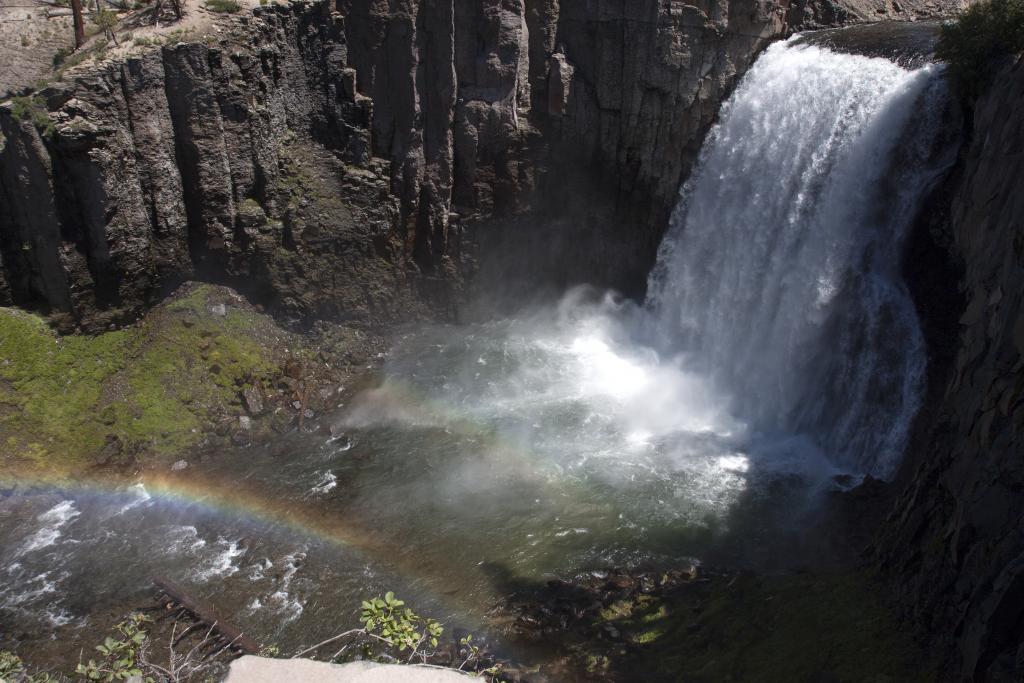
778, 349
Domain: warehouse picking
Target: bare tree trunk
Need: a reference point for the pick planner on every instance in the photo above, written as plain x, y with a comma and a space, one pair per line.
76, 12
176, 4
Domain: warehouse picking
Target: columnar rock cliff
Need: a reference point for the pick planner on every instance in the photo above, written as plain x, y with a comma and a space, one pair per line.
245, 162
348, 160
954, 544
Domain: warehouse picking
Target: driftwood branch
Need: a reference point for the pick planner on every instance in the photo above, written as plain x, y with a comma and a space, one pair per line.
205, 614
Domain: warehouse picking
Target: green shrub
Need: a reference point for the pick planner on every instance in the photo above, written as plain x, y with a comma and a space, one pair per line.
119, 653
398, 627
392, 632
32, 109
975, 43
60, 56
229, 6
12, 670
106, 21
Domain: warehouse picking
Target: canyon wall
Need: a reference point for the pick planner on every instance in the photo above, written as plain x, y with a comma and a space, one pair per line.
362, 160
954, 544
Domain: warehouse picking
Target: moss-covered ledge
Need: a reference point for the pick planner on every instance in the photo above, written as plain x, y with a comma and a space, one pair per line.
201, 369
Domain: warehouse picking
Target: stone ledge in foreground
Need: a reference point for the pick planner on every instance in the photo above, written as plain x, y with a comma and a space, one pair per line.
251, 669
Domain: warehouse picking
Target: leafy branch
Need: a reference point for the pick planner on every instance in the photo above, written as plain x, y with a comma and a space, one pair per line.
120, 653
12, 670
392, 631
389, 622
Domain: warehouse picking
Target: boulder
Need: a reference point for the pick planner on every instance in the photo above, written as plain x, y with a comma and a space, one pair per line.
253, 400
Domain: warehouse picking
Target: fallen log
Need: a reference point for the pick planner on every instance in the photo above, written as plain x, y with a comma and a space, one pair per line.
205, 615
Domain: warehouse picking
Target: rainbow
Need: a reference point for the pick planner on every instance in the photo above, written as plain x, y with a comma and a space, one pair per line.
224, 495
305, 520
228, 497
209, 495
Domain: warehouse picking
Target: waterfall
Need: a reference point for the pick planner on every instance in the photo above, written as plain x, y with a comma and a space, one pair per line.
779, 277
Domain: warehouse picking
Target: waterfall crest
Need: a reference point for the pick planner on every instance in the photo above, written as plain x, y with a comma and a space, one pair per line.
779, 277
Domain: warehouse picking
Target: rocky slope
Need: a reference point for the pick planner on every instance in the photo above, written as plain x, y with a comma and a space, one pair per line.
953, 545
362, 160
203, 371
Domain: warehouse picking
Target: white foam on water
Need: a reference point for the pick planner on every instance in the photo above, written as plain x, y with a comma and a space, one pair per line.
140, 496
286, 606
184, 539
31, 590
337, 436
571, 532
258, 571
36, 596
221, 564
327, 482
53, 522
57, 616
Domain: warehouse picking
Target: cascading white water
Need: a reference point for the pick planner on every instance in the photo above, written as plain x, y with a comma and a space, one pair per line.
779, 276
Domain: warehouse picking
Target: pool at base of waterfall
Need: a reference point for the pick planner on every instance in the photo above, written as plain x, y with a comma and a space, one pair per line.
542, 448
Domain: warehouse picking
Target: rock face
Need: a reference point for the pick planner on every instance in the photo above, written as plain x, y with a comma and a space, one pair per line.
954, 544
365, 159
245, 162
823, 13
622, 101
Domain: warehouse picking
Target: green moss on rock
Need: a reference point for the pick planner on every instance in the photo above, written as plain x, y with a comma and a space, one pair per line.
149, 390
